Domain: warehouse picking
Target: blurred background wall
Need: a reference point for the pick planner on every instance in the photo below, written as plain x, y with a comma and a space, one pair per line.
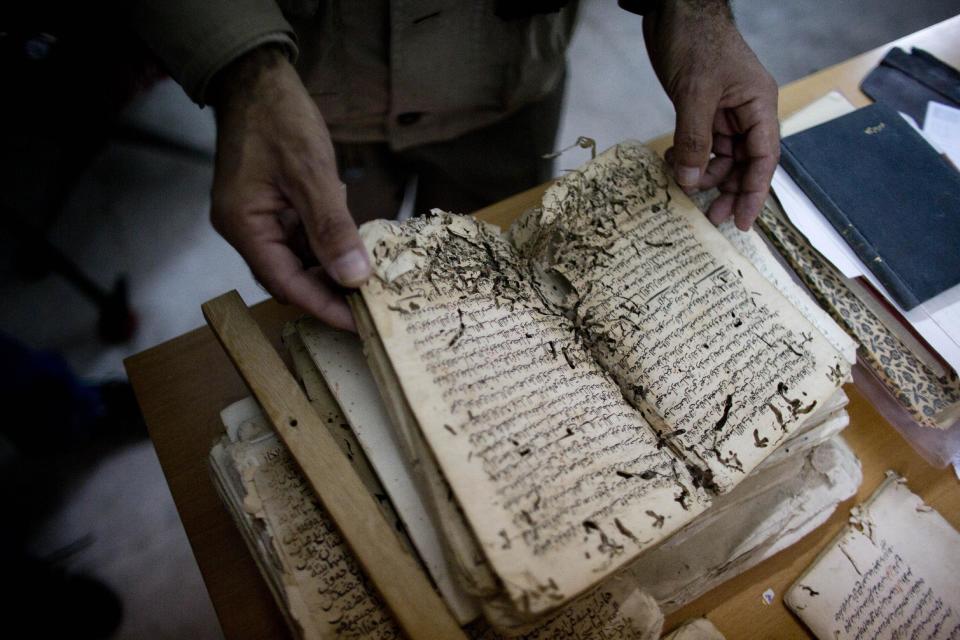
143, 212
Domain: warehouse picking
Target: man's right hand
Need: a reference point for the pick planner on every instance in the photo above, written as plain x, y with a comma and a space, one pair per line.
276, 178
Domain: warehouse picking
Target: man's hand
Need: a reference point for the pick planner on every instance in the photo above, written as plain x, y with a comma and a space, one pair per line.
276, 180
726, 103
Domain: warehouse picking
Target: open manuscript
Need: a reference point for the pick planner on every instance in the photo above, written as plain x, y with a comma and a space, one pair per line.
314, 577
893, 573
586, 383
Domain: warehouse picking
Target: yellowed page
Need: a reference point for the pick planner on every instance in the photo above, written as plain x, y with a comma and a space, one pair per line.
561, 480
616, 610
338, 357
460, 544
723, 365
893, 573
326, 591
752, 247
323, 589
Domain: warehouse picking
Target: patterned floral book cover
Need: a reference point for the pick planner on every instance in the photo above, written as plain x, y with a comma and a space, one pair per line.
933, 400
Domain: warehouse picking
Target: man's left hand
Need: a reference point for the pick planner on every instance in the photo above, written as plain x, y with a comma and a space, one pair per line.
726, 105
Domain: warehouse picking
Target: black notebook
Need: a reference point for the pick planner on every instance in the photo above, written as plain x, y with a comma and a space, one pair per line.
908, 81
891, 196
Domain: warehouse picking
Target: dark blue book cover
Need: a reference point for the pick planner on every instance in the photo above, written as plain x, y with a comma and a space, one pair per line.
893, 198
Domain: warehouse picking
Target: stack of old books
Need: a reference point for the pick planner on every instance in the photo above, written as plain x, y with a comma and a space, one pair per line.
596, 415
871, 228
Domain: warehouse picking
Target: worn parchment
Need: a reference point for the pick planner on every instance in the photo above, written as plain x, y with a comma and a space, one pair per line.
587, 383
894, 573
322, 587
549, 463
685, 324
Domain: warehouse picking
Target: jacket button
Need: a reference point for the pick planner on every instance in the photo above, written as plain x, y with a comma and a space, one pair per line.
408, 118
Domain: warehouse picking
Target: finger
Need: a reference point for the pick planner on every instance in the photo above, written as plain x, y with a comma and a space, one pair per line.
671, 160
733, 181
721, 208
747, 208
722, 144
260, 238
275, 266
296, 238
761, 165
693, 138
320, 198
762, 146
718, 170
754, 186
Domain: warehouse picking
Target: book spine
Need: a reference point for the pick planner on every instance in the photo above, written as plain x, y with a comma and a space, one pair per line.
860, 245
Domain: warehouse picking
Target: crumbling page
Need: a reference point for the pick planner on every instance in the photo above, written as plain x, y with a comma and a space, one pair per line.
616, 610
326, 590
338, 357
327, 595
724, 367
561, 480
751, 246
893, 573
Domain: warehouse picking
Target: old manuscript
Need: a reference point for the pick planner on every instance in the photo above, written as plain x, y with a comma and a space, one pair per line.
893, 573
314, 575
590, 380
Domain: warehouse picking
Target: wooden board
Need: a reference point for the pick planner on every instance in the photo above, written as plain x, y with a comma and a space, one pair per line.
183, 384
397, 576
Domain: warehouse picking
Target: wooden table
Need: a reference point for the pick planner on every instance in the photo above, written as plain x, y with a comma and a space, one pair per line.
183, 384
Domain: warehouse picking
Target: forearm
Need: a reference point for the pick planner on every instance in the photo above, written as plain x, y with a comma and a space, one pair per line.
196, 39
655, 8
250, 74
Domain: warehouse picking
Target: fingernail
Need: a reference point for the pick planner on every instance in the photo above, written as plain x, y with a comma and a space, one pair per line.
688, 176
351, 269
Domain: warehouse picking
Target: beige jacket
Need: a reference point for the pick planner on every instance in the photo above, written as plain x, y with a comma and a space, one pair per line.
407, 72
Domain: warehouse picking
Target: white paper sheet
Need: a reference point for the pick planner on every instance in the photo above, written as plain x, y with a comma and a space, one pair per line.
810, 222
941, 126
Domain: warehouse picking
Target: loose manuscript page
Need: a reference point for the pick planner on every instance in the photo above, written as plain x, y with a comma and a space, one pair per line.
324, 588
894, 573
719, 361
560, 478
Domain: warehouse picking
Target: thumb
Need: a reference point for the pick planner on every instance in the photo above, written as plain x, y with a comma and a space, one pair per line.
331, 231
693, 137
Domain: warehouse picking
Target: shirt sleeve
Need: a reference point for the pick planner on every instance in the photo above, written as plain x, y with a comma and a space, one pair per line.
196, 38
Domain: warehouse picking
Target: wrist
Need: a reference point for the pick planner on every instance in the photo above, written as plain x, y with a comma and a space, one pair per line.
243, 77
700, 8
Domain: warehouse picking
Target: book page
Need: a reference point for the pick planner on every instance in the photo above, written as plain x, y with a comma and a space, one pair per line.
326, 591
561, 480
752, 247
617, 610
696, 629
894, 573
323, 589
461, 546
721, 364
338, 357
